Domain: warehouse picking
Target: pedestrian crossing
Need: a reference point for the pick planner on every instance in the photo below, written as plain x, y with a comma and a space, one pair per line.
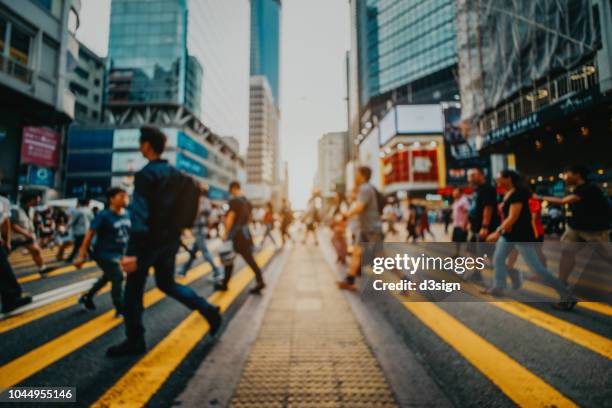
144, 377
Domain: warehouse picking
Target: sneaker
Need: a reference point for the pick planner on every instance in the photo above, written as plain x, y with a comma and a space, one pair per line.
256, 290
213, 316
16, 303
346, 285
516, 277
565, 305
87, 302
495, 292
220, 287
126, 348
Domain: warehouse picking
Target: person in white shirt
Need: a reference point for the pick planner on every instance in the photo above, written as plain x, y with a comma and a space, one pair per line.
10, 290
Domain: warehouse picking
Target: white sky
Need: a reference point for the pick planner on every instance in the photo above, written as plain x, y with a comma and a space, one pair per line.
314, 40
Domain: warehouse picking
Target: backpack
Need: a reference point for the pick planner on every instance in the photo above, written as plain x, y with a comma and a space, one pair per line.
381, 201
187, 201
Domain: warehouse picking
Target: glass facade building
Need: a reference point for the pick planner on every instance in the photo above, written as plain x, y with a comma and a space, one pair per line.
403, 41
148, 55
265, 42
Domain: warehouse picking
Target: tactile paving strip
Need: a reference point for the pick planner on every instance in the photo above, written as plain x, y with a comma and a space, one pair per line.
310, 351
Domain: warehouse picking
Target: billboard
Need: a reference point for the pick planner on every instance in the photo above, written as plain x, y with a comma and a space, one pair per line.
40, 146
419, 119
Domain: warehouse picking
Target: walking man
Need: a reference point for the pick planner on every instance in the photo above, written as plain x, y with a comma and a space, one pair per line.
483, 215
369, 230
154, 241
111, 227
590, 220
23, 227
10, 290
80, 219
237, 231
200, 232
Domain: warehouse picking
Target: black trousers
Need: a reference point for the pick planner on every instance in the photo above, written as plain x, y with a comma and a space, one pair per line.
9, 288
162, 259
246, 252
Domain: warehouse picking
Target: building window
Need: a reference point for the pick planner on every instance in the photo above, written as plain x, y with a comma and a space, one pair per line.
20, 46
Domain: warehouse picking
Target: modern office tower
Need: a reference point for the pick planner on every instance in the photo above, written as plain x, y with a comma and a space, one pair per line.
158, 69
401, 52
263, 141
86, 83
37, 50
263, 154
332, 159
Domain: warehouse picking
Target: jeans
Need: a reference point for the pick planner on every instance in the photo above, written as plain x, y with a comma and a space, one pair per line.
268, 234
162, 259
111, 272
9, 288
200, 243
530, 255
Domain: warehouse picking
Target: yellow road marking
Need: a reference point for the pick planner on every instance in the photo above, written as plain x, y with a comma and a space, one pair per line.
519, 384
142, 381
13, 322
537, 288
32, 362
569, 331
592, 341
56, 272
35, 314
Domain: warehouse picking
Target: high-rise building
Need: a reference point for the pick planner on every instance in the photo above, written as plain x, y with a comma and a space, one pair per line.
536, 85
263, 154
162, 54
87, 85
265, 42
332, 159
37, 50
402, 76
263, 141
148, 58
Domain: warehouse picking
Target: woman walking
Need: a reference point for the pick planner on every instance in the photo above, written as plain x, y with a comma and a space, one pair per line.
517, 232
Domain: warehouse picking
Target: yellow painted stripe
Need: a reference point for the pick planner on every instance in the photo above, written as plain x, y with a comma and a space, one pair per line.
592, 341
14, 322
143, 380
35, 314
56, 272
519, 384
537, 288
32, 362
37, 359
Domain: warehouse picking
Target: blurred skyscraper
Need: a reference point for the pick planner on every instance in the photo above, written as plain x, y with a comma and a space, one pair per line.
263, 155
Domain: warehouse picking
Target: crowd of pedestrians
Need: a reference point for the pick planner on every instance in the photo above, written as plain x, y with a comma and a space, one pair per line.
133, 235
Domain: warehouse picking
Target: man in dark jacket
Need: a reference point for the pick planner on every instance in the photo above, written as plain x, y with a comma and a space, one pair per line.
154, 242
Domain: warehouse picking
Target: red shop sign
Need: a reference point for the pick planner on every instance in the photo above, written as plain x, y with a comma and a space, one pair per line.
40, 146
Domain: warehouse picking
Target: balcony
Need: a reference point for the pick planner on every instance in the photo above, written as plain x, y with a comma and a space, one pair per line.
16, 70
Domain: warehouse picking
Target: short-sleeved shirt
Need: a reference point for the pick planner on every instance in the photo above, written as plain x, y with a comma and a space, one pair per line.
536, 209
5, 209
591, 212
369, 218
521, 231
20, 217
242, 208
484, 196
461, 208
112, 235
80, 218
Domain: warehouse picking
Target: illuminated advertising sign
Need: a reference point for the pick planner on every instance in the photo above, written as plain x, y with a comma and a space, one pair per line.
40, 146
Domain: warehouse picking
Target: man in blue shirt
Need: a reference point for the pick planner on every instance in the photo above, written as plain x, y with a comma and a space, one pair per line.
153, 243
112, 230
